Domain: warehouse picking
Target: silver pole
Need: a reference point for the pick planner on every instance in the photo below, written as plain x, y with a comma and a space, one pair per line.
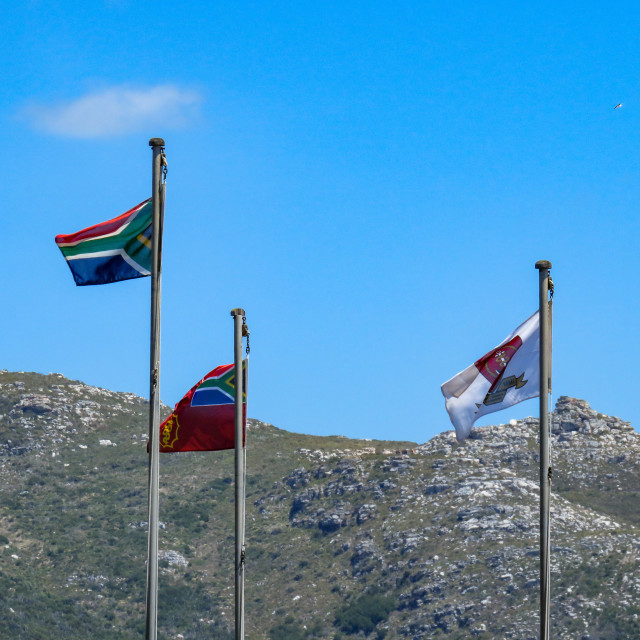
237, 315
151, 631
543, 267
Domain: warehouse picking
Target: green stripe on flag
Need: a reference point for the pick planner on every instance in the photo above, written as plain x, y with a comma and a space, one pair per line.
225, 383
126, 237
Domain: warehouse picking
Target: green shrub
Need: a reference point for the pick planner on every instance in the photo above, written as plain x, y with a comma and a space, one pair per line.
364, 613
287, 630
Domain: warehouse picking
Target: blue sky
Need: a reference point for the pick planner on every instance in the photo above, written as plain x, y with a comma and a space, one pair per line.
373, 183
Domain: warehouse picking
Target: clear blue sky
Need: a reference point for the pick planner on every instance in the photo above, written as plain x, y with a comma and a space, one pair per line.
373, 182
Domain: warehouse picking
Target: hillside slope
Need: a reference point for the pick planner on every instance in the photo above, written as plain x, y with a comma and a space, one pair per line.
344, 537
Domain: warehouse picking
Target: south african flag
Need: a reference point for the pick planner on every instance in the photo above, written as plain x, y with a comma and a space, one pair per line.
204, 420
119, 249
217, 387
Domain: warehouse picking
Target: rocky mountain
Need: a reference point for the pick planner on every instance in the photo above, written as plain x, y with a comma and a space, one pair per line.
345, 538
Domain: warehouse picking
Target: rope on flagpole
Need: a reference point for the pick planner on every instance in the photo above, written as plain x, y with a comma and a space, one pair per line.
245, 334
245, 374
162, 192
551, 290
164, 165
550, 375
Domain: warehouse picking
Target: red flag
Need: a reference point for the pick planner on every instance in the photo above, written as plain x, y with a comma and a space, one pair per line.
204, 420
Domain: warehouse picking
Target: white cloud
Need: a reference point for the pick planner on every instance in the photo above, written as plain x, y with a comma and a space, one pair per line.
116, 111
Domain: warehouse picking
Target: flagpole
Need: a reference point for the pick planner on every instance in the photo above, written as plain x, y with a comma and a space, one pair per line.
543, 267
157, 192
238, 316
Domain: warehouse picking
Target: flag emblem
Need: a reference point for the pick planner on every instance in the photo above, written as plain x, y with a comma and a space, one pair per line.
169, 431
493, 364
498, 391
119, 249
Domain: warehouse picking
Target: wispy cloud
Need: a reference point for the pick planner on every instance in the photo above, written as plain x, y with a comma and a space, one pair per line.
116, 111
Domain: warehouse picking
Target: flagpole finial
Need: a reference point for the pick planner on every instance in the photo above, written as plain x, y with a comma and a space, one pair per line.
238, 312
543, 264
156, 142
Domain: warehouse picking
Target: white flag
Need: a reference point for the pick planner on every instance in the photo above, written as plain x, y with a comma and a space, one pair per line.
506, 375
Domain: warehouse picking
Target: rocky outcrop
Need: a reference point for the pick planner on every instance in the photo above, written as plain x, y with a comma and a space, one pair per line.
446, 531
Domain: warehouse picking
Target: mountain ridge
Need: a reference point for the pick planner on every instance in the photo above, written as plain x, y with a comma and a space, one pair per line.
345, 538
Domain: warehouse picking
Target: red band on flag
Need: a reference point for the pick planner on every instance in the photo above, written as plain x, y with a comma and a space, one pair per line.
100, 229
493, 364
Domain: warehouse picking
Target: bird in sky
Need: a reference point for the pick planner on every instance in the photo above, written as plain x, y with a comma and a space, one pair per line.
618, 106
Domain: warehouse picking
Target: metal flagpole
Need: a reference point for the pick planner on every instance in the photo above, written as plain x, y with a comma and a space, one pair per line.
543, 267
157, 192
238, 316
